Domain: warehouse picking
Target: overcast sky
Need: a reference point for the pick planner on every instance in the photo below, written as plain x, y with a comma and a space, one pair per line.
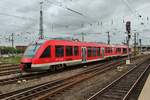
98, 17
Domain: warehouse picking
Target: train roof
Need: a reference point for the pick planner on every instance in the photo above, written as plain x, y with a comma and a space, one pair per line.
71, 42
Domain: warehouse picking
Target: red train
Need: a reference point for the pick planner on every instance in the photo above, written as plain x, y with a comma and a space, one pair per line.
56, 54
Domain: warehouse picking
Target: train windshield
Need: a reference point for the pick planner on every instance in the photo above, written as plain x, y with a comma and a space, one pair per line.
31, 50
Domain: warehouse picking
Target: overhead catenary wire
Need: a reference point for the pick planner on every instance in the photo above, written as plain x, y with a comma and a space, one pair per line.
65, 7
79, 13
59, 4
23, 18
129, 7
16, 16
133, 10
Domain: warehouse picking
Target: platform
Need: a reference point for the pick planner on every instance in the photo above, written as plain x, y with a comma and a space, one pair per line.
145, 94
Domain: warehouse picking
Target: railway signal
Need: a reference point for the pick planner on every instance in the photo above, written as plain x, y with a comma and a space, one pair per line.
140, 41
128, 29
135, 43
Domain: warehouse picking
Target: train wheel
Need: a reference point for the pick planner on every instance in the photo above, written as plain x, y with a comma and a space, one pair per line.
53, 68
58, 67
64, 65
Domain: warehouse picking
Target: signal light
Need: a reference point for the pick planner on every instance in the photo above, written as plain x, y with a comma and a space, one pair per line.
128, 26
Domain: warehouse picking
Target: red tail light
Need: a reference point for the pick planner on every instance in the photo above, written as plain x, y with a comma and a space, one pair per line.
21, 66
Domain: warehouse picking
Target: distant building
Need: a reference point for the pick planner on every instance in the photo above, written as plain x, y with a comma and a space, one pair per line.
22, 48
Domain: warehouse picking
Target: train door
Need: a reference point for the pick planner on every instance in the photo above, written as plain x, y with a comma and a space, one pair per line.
84, 54
102, 52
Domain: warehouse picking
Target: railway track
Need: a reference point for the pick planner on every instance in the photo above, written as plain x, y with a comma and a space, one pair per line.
20, 76
3, 64
7, 65
8, 69
9, 72
121, 88
58, 85
29, 76
6, 81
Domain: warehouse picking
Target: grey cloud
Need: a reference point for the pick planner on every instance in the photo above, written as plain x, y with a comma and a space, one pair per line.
65, 21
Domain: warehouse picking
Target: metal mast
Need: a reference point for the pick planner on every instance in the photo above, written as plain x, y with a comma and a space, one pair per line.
108, 41
13, 40
128, 29
82, 37
140, 41
41, 30
135, 43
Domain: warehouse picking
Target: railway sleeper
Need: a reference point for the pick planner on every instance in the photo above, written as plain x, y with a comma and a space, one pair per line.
114, 93
121, 88
121, 91
137, 73
30, 95
106, 98
126, 84
112, 97
129, 82
37, 90
123, 85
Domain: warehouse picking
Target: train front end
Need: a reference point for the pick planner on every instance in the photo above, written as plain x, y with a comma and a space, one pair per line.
29, 55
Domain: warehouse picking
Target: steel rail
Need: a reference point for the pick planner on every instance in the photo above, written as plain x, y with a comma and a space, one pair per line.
113, 89
61, 84
33, 76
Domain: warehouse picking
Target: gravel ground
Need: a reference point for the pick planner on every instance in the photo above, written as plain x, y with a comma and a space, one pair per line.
79, 92
85, 89
29, 83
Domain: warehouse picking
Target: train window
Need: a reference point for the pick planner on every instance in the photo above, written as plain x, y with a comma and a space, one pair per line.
46, 53
124, 50
118, 50
69, 51
107, 50
110, 50
89, 49
76, 50
94, 51
31, 50
59, 51
98, 51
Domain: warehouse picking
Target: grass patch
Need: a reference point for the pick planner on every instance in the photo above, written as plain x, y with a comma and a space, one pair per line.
11, 60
